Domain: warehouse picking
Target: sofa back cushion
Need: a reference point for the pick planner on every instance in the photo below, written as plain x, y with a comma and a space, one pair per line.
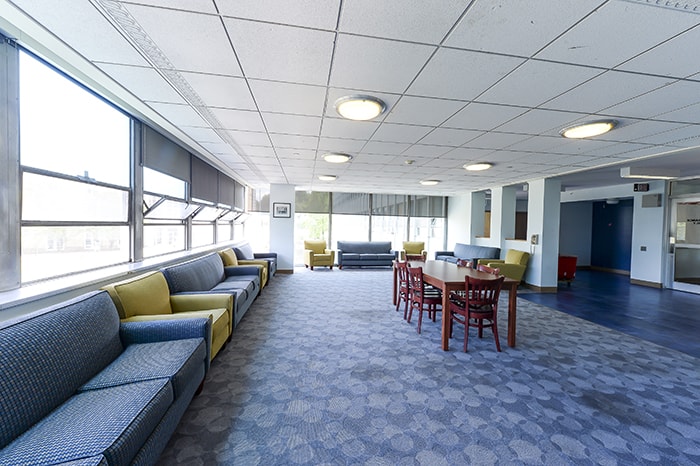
365, 247
470, 252
48, 354
318, 247
201, 274
146, 294
513, 256
244, 251
228, 257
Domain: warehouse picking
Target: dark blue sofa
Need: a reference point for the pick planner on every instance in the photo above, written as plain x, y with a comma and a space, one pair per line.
207, 274
78, 387
365, 253
468, 252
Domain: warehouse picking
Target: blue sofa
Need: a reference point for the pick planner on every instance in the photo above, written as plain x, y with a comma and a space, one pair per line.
365, 253
244, 251
468, 252
78, 387
207, 274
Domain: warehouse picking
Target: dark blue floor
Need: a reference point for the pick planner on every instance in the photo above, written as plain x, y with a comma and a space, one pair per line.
666, 317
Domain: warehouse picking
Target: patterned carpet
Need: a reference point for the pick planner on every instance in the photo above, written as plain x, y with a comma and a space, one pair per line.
322, 371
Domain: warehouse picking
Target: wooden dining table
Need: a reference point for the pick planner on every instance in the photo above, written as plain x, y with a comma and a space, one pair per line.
449, 277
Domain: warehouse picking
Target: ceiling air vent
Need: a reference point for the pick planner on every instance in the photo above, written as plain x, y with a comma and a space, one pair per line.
688, 6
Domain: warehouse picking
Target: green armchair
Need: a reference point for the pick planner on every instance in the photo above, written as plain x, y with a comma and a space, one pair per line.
147, 297
316, 253
413, 249
513, 266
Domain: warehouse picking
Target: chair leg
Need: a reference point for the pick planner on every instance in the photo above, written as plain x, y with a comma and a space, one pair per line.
420, 318
495, 335
410, 313
466, 333
481, 327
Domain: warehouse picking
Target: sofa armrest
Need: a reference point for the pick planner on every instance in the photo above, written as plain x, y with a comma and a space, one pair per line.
491, 261
265, 255
237, 270
444, 253
514, 271
201, 302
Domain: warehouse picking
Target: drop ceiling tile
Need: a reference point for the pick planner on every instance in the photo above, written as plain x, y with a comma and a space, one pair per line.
291, 54
424, 21
483, 116
221, 91
466, 154
537, 82
190, 41
495, 140
145, 83
249, 138
390, 132
307, 13
376, 64
178, 114
538, 144
218, 148
422, 150
292, 124
240, 120
605, 90
202, 6
423, 111
538, 121
581, 146
528, 28
373, 159
200, 134
450, 137
96, 39
340, 145
280, 97
658, 102
341, 128
611, 35
302, 154
459, 74
392, 148
640, 129
665, 59
683, 136
294, 142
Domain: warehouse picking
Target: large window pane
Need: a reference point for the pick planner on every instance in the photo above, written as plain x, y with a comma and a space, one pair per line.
45, 198
308, 227
429, 230
162, 239
160, 183
349, 228
385, 228
54, 251
167, 209
202, 235
257, 231
66, 129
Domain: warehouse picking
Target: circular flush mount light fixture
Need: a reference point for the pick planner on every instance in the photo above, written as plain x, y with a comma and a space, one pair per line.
429, 182
327, 177
335, 157
477, 167
359, 107
588, 130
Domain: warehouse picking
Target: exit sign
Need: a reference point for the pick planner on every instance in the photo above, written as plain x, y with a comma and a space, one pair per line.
641, 187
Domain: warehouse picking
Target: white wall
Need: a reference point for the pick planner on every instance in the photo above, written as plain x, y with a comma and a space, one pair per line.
575, 231
282, 229
649, 231
458, 215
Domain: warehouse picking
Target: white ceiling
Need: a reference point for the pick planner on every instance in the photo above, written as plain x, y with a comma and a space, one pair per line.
253, 83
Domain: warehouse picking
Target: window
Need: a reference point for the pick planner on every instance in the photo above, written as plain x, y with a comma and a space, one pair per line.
164, 213
74, 156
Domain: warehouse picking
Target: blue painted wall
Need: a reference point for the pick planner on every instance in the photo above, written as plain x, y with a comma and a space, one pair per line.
611, 235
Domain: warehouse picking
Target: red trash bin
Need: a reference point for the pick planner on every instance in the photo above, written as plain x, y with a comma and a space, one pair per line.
567, 269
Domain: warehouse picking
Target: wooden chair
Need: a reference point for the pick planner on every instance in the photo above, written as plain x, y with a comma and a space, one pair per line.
404, 287
487, 269
422, 295
479, 303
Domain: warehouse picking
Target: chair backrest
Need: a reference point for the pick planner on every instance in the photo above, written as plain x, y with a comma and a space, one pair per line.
487, 269
402, 274
414, 247
513, 256
483, 292
147, 294
415, 275
317, 246
464, 263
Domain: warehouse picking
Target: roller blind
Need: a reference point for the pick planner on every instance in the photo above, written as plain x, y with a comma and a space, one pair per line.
226, 190
163, 155
428, 206
312, 203
395, 205
205, 179
351, 203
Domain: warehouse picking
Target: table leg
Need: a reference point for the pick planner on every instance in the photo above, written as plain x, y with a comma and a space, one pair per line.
396, 292
512, 301
446, 317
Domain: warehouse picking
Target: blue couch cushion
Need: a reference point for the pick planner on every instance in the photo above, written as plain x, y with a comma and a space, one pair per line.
244, 251
201, 274
452, 259
365, 247
98, 460
350, 256
66, 345
178, 360
113, 421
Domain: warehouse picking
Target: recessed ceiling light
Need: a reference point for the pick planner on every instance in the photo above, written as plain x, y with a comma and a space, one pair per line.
477, 167
588, 130
335, 157
327, 177
359, 107
429, 182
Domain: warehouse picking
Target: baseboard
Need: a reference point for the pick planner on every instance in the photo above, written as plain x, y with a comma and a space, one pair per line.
285, 271
540, 289
634, 281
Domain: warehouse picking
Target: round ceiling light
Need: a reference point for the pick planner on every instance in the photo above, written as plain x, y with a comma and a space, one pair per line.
335, 157
477, 167
429, 182
588, 130
327, 177
359, 107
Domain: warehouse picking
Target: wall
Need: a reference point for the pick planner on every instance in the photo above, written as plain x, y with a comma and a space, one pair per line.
611, 235
458, 214
649, 231
282, 229
575, 231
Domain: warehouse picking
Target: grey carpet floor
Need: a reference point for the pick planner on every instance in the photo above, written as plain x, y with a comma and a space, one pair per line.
322, 371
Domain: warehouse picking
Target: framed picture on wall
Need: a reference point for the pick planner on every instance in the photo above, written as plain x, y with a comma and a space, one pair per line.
281, 210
